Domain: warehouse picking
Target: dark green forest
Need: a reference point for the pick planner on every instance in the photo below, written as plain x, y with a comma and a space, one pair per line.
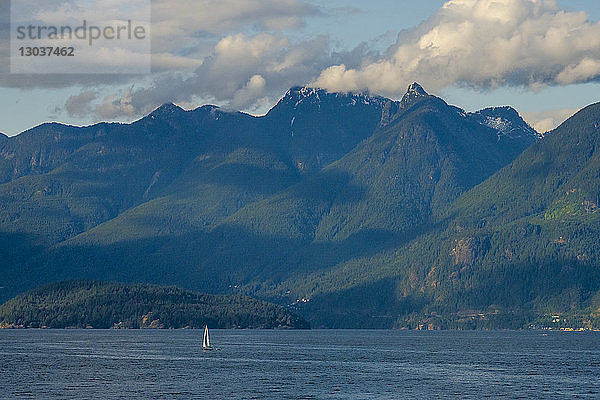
92, 304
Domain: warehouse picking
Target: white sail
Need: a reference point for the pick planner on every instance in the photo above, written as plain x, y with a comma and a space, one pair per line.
205, 339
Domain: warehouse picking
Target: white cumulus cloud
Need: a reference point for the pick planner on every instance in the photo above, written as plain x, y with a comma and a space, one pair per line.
482, 44
253, 90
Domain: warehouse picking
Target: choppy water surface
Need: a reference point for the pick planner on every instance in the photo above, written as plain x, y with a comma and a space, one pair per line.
330, 364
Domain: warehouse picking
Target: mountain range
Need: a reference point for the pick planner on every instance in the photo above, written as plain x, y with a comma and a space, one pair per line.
356, 210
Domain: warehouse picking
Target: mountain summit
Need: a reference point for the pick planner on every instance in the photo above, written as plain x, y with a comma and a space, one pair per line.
167, 110
316, 127
299, 96
507, 121
414, 89
414, 92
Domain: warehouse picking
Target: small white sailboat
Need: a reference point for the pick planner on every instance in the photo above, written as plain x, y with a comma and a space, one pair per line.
206, 340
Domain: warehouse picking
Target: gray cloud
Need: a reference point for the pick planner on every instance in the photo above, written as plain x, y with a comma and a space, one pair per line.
225, 16
241, 71
184, 32
80, 105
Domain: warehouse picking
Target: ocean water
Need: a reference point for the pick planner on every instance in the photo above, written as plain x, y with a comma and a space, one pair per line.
318, 364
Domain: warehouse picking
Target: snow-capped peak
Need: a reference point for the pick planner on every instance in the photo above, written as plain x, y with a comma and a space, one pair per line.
306, 95
506, 121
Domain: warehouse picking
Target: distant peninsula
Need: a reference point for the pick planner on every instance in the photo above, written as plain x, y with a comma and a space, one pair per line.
100, 305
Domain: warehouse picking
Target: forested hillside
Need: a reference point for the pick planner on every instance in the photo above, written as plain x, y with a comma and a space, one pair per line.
521, 246
91, 304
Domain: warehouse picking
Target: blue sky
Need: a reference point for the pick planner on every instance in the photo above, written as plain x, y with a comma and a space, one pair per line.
540, 56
